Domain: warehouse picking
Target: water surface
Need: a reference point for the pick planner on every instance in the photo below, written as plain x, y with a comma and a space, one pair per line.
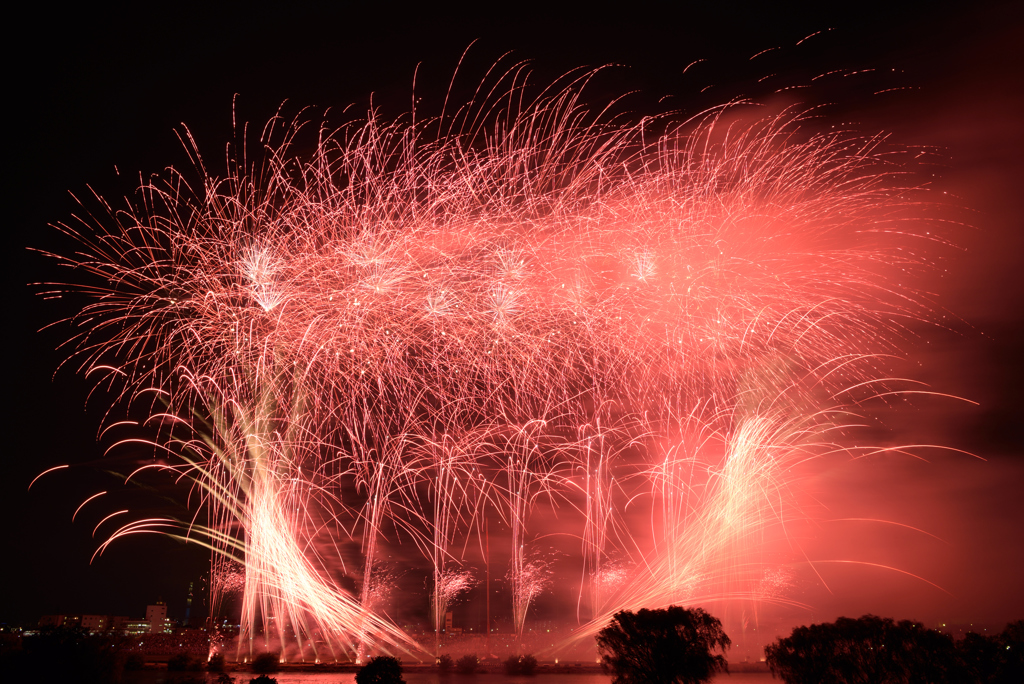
163, 677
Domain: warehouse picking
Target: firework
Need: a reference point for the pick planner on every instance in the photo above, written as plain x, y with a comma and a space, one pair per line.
519, 308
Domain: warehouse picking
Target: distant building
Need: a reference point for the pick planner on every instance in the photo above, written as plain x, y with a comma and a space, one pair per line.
156, 616
94, 624
136, 627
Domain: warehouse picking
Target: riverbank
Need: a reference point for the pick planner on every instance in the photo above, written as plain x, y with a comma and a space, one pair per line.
411, 677
490, 673
486, 667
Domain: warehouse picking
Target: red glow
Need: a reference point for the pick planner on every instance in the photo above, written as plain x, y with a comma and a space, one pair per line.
618, 348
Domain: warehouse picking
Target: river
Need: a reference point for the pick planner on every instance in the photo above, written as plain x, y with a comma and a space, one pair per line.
164, 677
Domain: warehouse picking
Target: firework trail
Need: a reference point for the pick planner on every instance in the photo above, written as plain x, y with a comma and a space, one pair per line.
523, 305
453, 489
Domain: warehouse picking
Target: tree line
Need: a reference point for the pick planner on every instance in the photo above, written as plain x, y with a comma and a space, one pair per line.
871, 649
674, 645
679, 646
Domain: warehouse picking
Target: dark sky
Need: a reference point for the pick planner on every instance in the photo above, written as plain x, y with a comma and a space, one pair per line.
89, 89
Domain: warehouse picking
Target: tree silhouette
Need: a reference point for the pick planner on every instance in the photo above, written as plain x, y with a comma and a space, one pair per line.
997, 659
868, 650
981, 656
1012, 654
670, 646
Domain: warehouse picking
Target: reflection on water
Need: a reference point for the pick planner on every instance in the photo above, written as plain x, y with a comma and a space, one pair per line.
163, 677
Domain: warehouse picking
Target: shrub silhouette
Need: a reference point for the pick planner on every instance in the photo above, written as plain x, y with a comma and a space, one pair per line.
467, 664
216, 663
184, 662
521, 665
265, 663
64, 654
381, 670
445, 664
263, 679
134, 661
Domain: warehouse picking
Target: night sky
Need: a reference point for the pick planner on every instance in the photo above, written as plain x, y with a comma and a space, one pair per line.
90, 91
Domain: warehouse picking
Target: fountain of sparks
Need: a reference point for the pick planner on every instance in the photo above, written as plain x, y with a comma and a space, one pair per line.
491, 316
